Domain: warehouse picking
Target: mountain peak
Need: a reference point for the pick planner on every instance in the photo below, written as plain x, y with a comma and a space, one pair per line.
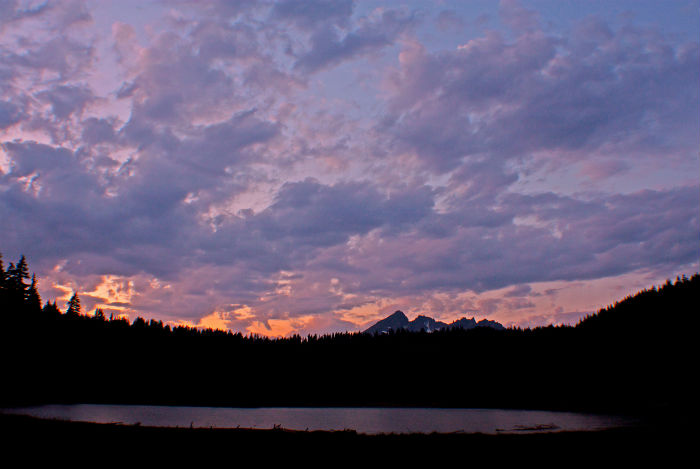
398, 320
398, 315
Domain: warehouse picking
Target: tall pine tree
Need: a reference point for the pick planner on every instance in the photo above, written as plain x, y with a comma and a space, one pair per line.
33, 302
50, 310
2, 285
99, 314
73, 310
16, 289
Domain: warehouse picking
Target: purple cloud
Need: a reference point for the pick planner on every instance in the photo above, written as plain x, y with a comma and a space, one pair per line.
629, 93
65, 100
10, 114
201, 168
329, 48
310, 14
449, 20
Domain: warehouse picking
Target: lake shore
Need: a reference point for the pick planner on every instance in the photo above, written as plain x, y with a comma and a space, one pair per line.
650, 439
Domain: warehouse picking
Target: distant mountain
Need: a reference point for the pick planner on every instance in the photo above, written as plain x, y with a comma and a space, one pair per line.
465, 323
483, 323
398, 320
425, 323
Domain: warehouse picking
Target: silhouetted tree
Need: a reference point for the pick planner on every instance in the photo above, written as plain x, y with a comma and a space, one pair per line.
99, 314
3, 290
16, 274
73, 310
50, 310
15, 288
33, 302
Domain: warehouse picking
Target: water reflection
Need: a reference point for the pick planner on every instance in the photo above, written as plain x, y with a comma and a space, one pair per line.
363, 420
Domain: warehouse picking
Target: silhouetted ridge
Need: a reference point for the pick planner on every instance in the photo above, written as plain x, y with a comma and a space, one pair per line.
464, 323
424, 323
399, 321
395, 322
670, 306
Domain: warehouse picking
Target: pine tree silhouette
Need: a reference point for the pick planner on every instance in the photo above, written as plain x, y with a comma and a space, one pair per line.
50, 311
14, 290
33, 301
3, 286
73, 304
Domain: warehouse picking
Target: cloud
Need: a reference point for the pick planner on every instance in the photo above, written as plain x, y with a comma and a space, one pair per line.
518, 291
224, 9
609, 95
329, 48
10, 114
29, 157
66, 99
582, 241
65, 57
12, 12
449, 20
327, 215
309, 14
519, 19
98, 130
223, 180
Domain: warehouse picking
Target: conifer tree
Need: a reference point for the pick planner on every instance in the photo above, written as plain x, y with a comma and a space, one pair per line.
73, 304
16, 274
2, 283
33, 299
2, 273
50, 310
15, 290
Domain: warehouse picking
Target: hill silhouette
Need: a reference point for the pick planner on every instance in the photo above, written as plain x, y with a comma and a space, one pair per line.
633, 356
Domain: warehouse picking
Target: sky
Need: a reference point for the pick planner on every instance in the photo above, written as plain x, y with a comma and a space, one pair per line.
308, 167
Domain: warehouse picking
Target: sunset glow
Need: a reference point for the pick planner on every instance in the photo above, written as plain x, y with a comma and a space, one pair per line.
306, 167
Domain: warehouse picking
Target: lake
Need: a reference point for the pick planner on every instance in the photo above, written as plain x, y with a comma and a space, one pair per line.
362, 420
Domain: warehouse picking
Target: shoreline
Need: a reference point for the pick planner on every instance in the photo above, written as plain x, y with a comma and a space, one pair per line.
85, 440
28, 422
532, 428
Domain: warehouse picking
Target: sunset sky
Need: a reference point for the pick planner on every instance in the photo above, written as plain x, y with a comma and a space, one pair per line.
279, 167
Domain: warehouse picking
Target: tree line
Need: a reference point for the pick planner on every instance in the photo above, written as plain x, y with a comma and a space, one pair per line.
21, 303
633, 354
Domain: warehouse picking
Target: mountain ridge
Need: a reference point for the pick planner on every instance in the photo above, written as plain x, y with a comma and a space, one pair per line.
399, 321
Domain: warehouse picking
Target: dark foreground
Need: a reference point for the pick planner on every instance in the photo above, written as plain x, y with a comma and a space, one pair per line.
59, 440
631, 358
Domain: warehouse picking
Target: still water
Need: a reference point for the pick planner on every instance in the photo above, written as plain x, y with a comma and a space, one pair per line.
363, 420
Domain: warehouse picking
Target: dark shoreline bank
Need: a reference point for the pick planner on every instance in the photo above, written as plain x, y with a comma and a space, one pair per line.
643, 440
622, 361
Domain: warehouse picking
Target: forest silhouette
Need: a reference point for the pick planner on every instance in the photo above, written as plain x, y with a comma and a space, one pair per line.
634, 356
